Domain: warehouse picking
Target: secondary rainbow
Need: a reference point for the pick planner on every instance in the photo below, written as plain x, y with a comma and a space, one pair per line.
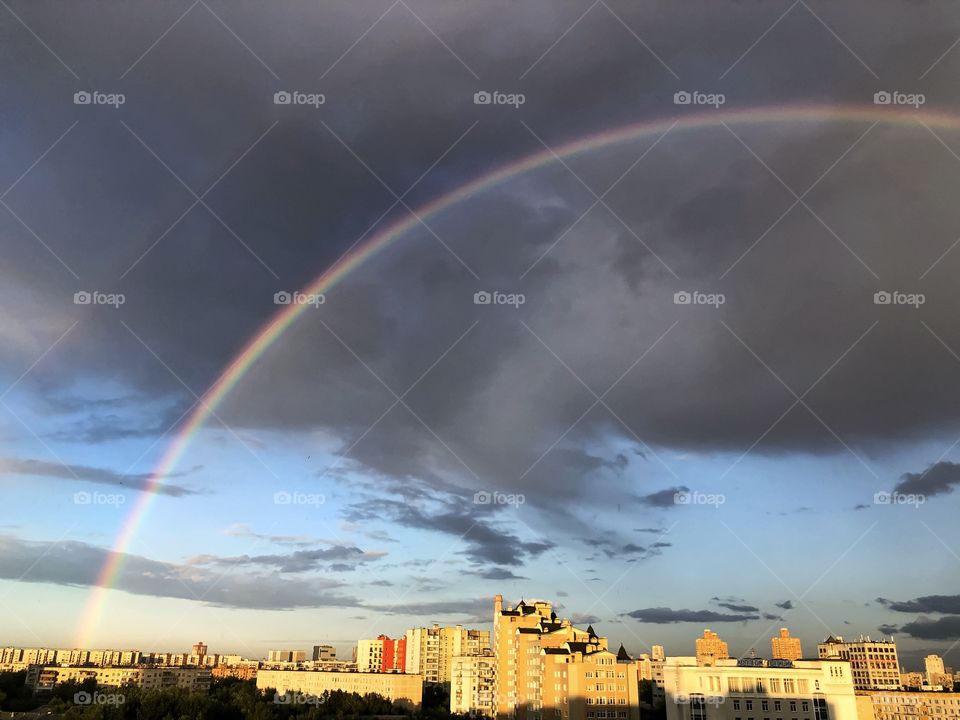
270, 332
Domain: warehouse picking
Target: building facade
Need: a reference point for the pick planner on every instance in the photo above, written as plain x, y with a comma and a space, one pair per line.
547, 669
286, 656
383, 654
429, 651
874, 663
148, 678
757, 689
404, 689
324, 653
890, 705
711, 648
786, 647
472, 684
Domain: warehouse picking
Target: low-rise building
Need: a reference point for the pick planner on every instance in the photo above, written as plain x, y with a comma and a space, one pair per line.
757, 689
894, 705
148, 678
404, 689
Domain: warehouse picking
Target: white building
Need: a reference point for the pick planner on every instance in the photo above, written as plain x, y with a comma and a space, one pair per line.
757, 689
472, 684
874, 663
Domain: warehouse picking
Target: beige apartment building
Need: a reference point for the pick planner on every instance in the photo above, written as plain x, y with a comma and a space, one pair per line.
401, 688
786, 647
472, 684
711, 648
891, 705
148, 678
429, 651
874, 663
757, 689
547, 669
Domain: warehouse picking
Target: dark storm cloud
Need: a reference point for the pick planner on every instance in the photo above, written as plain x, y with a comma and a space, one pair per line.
889, 629
948, 604
82, 473
739, 608
478, 610
938, 479
663, 498
485, 542
785, 605
665, 615
511, 403
339, 558
499, 574
944, 628
78, 564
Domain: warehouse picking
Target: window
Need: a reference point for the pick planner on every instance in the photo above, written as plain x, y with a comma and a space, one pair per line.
777, 705
765, 705
749, 704
820, 710
805, 705
793, 706
698, 708
736, 704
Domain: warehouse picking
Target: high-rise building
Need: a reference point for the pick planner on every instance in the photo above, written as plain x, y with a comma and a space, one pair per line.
933, 665
887, 705
756, 688
383, 654
786, 647
657, 653
547, 668
874, 663
324, 653
198, 649
472, 684
429, 651
711, 648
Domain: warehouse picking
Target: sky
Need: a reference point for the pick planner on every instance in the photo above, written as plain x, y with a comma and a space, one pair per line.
647, 310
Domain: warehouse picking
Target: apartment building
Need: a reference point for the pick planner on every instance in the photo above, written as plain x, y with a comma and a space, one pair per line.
892, 705
402, 688
384, 654
711, 648
472, 684
874, 663
148, 678
286, 656
786, 647
547, 669
757, 689
429, 651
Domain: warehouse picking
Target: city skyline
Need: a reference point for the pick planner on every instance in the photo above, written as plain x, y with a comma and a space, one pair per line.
325, 322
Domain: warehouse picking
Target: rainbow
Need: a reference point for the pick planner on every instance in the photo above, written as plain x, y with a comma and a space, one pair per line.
270, 332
